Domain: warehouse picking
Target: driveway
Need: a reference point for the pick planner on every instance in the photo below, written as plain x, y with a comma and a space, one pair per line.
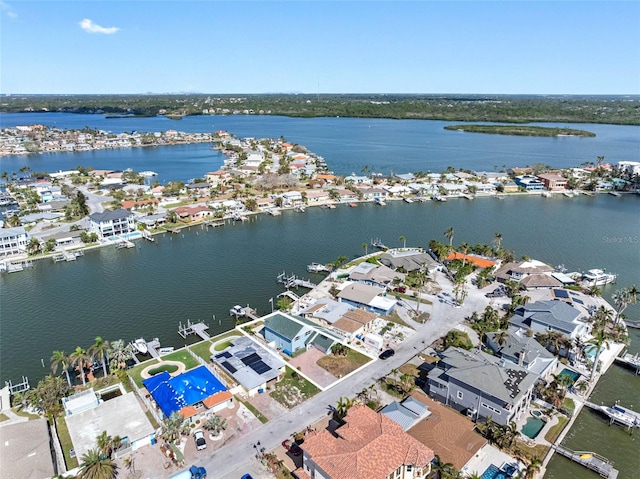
307, 363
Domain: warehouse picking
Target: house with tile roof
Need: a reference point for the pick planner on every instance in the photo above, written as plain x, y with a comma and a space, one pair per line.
531, 274
481, 385
368, 446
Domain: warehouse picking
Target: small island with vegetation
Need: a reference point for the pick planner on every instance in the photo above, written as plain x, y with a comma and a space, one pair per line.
520, 130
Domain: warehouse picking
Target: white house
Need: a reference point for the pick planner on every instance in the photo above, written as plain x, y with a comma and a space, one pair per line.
112, 223
13, 241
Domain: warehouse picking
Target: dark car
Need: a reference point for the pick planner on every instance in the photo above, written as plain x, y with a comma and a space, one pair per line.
247, 476
291, 447
400, 289
198, 472
387, 353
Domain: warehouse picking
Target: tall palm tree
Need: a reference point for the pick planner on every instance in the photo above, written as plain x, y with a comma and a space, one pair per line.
173, 427
501, 337
365, 247
449, 235
215, 424
403, 238
532, 468
60, 359
120, 353
599, 339
94, 465
342, 407
464, 248
99, 350
80, 358
497, 239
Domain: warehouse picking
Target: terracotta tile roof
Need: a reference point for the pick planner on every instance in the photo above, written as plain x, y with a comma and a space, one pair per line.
188, 411
301, 474
217, 398
368, 446
479, 262
448, 432
347, 325
360, 315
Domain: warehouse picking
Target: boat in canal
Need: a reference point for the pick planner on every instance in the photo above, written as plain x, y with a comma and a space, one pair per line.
598, 277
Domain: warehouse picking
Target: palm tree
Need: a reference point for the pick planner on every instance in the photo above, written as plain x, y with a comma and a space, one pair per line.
403, 238
342, 407
443, 469
120, 353
173, 427
80, 358
501, 337
532, 468
59, 358
96, 466
599, 339
215, 424
107, 444
365, 247
497, 239
99, 349
449, 234
464, 247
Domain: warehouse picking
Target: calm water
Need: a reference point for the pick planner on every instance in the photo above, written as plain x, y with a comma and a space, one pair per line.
347, 144
200, 274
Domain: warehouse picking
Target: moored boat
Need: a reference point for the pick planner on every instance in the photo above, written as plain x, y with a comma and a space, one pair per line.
598, 277
317, 268
237, 311
140, 345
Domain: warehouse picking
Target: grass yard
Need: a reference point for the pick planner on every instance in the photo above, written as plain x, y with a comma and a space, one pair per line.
184, 357
23, 413
555, 430
3, 417
537, 452
135, 372
340, 366
395, 318
293, 389
202, 349
170, 368
65, 443
222, 346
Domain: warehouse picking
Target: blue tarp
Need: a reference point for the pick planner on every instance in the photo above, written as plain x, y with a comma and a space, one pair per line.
186, 389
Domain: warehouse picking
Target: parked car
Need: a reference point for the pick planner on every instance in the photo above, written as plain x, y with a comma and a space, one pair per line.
387, 353
292, 447
198, 437
198, 472
247, 476
400, 289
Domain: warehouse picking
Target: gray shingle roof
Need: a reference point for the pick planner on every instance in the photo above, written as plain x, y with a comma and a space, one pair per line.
110, 215
555, 314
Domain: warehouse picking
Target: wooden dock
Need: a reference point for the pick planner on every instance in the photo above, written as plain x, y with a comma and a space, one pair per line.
617, 414
199, 328
293, 281
630, 360
153, 346
213, 224
590, 460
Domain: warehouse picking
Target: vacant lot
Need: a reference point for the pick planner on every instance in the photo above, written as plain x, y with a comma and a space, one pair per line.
340, 366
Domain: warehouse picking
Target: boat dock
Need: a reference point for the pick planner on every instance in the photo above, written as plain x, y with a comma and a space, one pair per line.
590, 460
193, 328
293, 281
617, 414
124, 243
240, 312
147, 235
65, 255
213, 224
152, 348
630, 360
614, 193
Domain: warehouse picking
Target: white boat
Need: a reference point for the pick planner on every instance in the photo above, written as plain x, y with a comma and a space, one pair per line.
237, 311
317, 268
141, 345
598, 277
274, 212
568, 194
408, 200
148, 174
380, 202
165, 350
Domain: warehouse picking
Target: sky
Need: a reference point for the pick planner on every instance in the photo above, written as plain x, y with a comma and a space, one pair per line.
228, 47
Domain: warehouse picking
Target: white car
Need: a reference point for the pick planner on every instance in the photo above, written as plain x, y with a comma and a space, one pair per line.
198, 437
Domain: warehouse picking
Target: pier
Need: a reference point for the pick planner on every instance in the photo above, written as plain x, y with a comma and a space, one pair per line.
630, 360
240, 312
293, 281
21, 387
213, 224
147, 235
617, 415
124, 243
199, 329
590, 460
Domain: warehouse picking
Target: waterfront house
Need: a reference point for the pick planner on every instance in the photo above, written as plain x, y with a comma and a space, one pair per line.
133, 205
481, 385
529, 183
197, 189
249, 366
629, 167
290, 334
368, 297
194, 213
523, 350
25, 450
371, 194
111, 223
553, 181
13, 241
368, 446
88, 415
477, 261
510, 187
376, 275
529, 273
325, 311
448, 433
194, 394
217, 178
409, 259
551, 315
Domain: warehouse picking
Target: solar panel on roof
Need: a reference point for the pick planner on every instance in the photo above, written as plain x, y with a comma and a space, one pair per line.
560, 293
259, 367
229, 367
252, 358
579, 301
224, 354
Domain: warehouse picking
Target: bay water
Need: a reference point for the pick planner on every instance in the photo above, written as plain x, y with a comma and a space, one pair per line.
199, 274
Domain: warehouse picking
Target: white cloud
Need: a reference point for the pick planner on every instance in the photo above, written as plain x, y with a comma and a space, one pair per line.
7, 10
88, 26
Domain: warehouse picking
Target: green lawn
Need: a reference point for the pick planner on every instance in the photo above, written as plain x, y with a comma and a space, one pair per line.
184, 357
222, 346
3, 417
202, 349
170, 368
135, 371
65, 443
23, 413
340, 366
556, 429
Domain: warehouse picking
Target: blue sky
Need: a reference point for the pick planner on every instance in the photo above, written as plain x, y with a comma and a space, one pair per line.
509, 47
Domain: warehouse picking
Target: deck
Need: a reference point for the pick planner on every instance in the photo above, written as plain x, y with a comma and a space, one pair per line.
199, 329
630, 360
617, 414
590, 460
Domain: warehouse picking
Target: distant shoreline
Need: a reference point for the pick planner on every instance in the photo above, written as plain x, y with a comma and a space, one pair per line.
521, 130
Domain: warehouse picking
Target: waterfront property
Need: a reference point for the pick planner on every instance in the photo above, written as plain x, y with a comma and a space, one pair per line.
480, 385
249, 365
25, 450
554, 315
192, 394
290, 334
368, 297
375, 275
88, 416
368, 446
13, 241
409, 260
530, 274
111, 223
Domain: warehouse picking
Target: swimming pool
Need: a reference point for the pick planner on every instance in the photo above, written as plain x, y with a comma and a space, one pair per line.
536, 413
533, 427
494, 472
571, 374
590, 351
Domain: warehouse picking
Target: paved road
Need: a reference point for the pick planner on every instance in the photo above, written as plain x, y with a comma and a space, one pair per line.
237, 458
